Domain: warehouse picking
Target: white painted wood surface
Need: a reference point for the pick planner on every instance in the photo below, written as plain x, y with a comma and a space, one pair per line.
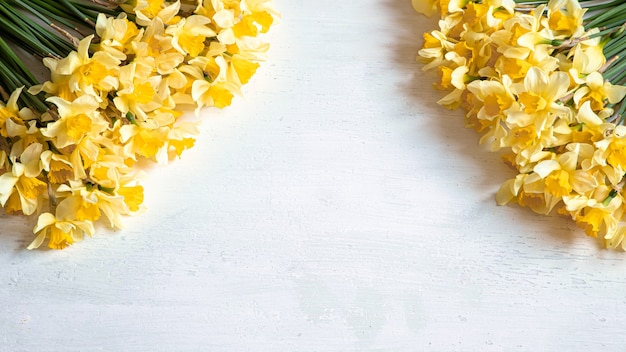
334, 208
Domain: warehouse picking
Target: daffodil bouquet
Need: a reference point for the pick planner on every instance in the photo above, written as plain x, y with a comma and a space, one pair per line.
120, 76
542, 82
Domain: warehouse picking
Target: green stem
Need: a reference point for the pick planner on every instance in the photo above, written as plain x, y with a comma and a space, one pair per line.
77, 12
615, 12
621, 113
15, 63
616, 69
25, 30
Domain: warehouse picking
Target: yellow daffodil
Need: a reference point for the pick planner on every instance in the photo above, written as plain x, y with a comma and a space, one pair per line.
116, 99
146, 139
496, 97
217, 88
566, 17
59, 232
12, 112
593, 220
87, 202
138, 94
95, 76
539, 98
20, 186
116, 35
58, 167
147, 10
587, 58
76, 119
598, 91
155, 44
24, 136
189, 35
133, 195
262, 11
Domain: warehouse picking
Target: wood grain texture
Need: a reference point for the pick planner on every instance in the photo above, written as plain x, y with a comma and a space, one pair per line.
334, 208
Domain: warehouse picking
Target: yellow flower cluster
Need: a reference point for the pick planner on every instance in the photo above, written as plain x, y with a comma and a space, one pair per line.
530, 80
118, 98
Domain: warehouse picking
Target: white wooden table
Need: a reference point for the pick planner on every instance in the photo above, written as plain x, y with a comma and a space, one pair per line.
334, 208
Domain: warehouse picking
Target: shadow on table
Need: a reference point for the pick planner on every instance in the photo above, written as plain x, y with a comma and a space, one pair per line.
407, 35
16, 231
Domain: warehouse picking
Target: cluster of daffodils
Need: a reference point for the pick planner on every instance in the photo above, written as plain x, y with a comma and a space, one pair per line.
535, 82
117, 98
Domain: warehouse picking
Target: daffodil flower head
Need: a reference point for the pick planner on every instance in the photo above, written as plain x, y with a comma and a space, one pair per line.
189, 35
76, 119
21, 187
496, 97
11, 112
565, 17
541, 91
263, 12
147, 10
116, 35
57, 166
59, 232
598, 91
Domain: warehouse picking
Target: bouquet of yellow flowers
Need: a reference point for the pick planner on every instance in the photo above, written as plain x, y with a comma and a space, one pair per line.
120, 75
543, 83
